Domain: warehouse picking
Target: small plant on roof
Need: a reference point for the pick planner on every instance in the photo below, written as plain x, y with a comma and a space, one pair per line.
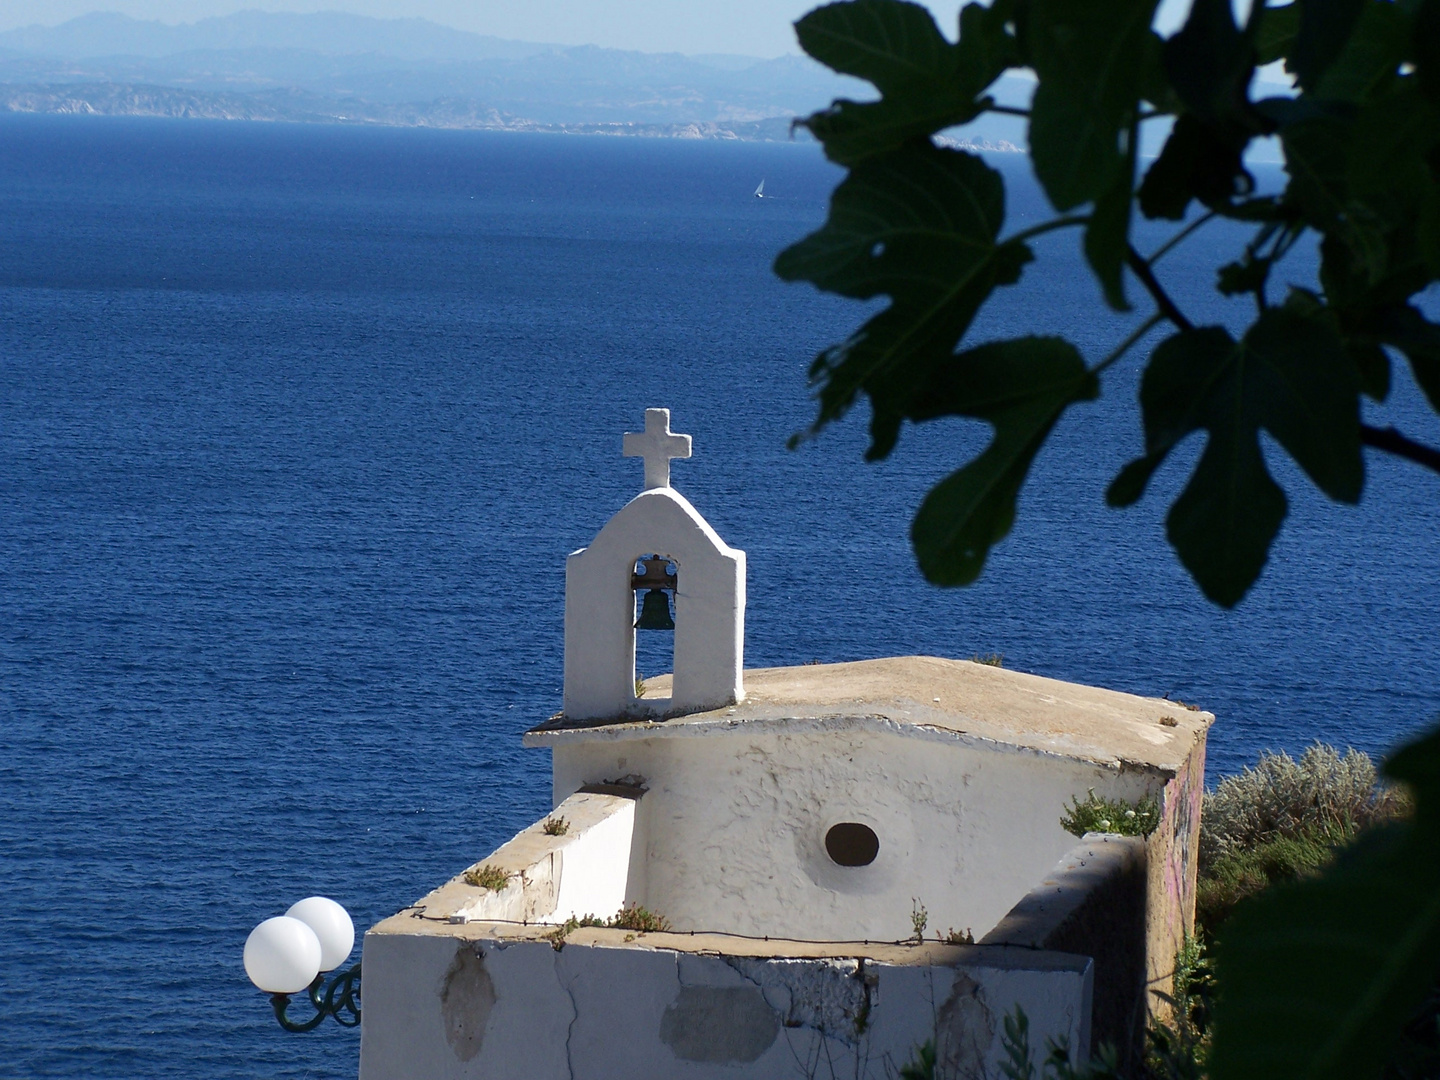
1095, 814
992, 659
488, 877
556, 826
639, 686
919, 919
636, 918
957, 937
557, 936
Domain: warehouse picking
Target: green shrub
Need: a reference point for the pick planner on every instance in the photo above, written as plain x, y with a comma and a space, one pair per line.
1325, 796
919, 919
1231, 878
636, 918
1095, 814
488, 877
557, 936
922, 1065
1282, 820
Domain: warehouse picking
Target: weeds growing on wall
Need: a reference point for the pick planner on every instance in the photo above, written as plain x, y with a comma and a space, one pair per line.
557, 936
488, 877
919, 919
632, 917
642, 921
1094, 814
556, 826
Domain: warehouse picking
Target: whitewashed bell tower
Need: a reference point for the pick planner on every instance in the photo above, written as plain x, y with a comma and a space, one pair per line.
601, 584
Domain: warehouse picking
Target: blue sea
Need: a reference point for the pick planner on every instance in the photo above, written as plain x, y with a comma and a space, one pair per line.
297, 425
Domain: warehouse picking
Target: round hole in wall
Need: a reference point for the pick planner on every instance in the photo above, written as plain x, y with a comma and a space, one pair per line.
852, 844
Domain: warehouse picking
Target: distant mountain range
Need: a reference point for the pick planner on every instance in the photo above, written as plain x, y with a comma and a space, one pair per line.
107, 34
342, 68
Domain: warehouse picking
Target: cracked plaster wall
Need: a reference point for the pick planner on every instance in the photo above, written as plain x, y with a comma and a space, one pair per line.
446, 1008
734, 827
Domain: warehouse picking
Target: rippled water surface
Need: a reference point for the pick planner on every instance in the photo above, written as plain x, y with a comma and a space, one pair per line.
297, 425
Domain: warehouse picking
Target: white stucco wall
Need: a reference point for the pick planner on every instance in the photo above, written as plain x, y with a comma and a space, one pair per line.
734, 826
600, 611
446, 1008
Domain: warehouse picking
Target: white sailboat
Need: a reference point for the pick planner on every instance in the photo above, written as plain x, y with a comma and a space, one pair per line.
760, 191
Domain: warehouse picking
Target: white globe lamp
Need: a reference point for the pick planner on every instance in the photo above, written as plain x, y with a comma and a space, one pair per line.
332, 927
283, 955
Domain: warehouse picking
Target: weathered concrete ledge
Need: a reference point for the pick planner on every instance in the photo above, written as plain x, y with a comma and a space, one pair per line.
584, 870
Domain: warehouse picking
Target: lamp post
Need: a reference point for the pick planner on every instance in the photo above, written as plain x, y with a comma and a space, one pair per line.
292, 952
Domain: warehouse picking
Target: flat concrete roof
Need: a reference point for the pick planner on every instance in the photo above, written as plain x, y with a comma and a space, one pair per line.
958, 700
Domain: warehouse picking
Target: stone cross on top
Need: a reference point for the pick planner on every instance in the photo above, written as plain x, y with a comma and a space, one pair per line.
657, 444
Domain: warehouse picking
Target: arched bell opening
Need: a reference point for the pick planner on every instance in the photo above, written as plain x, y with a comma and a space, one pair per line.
654, 580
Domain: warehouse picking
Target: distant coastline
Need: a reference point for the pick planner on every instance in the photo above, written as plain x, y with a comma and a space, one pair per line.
120, 99
453, 114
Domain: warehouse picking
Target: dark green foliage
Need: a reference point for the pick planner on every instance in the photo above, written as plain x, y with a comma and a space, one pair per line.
1319, 977
1290, 374
1089, 58
1019, 1063
927, 83
1252, 870
1021, 387
1094, 814
922, 1066
924, 227
1176, 1046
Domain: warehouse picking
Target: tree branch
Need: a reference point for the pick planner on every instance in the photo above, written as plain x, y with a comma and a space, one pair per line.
1141, 270
1181, 235
1048, 226
1392, 442
1124, 347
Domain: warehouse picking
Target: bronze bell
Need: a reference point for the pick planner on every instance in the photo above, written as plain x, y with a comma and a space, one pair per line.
655, 612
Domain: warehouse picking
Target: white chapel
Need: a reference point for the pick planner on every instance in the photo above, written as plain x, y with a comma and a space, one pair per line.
809, 871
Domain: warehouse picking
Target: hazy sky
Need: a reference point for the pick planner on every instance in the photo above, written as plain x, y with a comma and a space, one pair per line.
750, 27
